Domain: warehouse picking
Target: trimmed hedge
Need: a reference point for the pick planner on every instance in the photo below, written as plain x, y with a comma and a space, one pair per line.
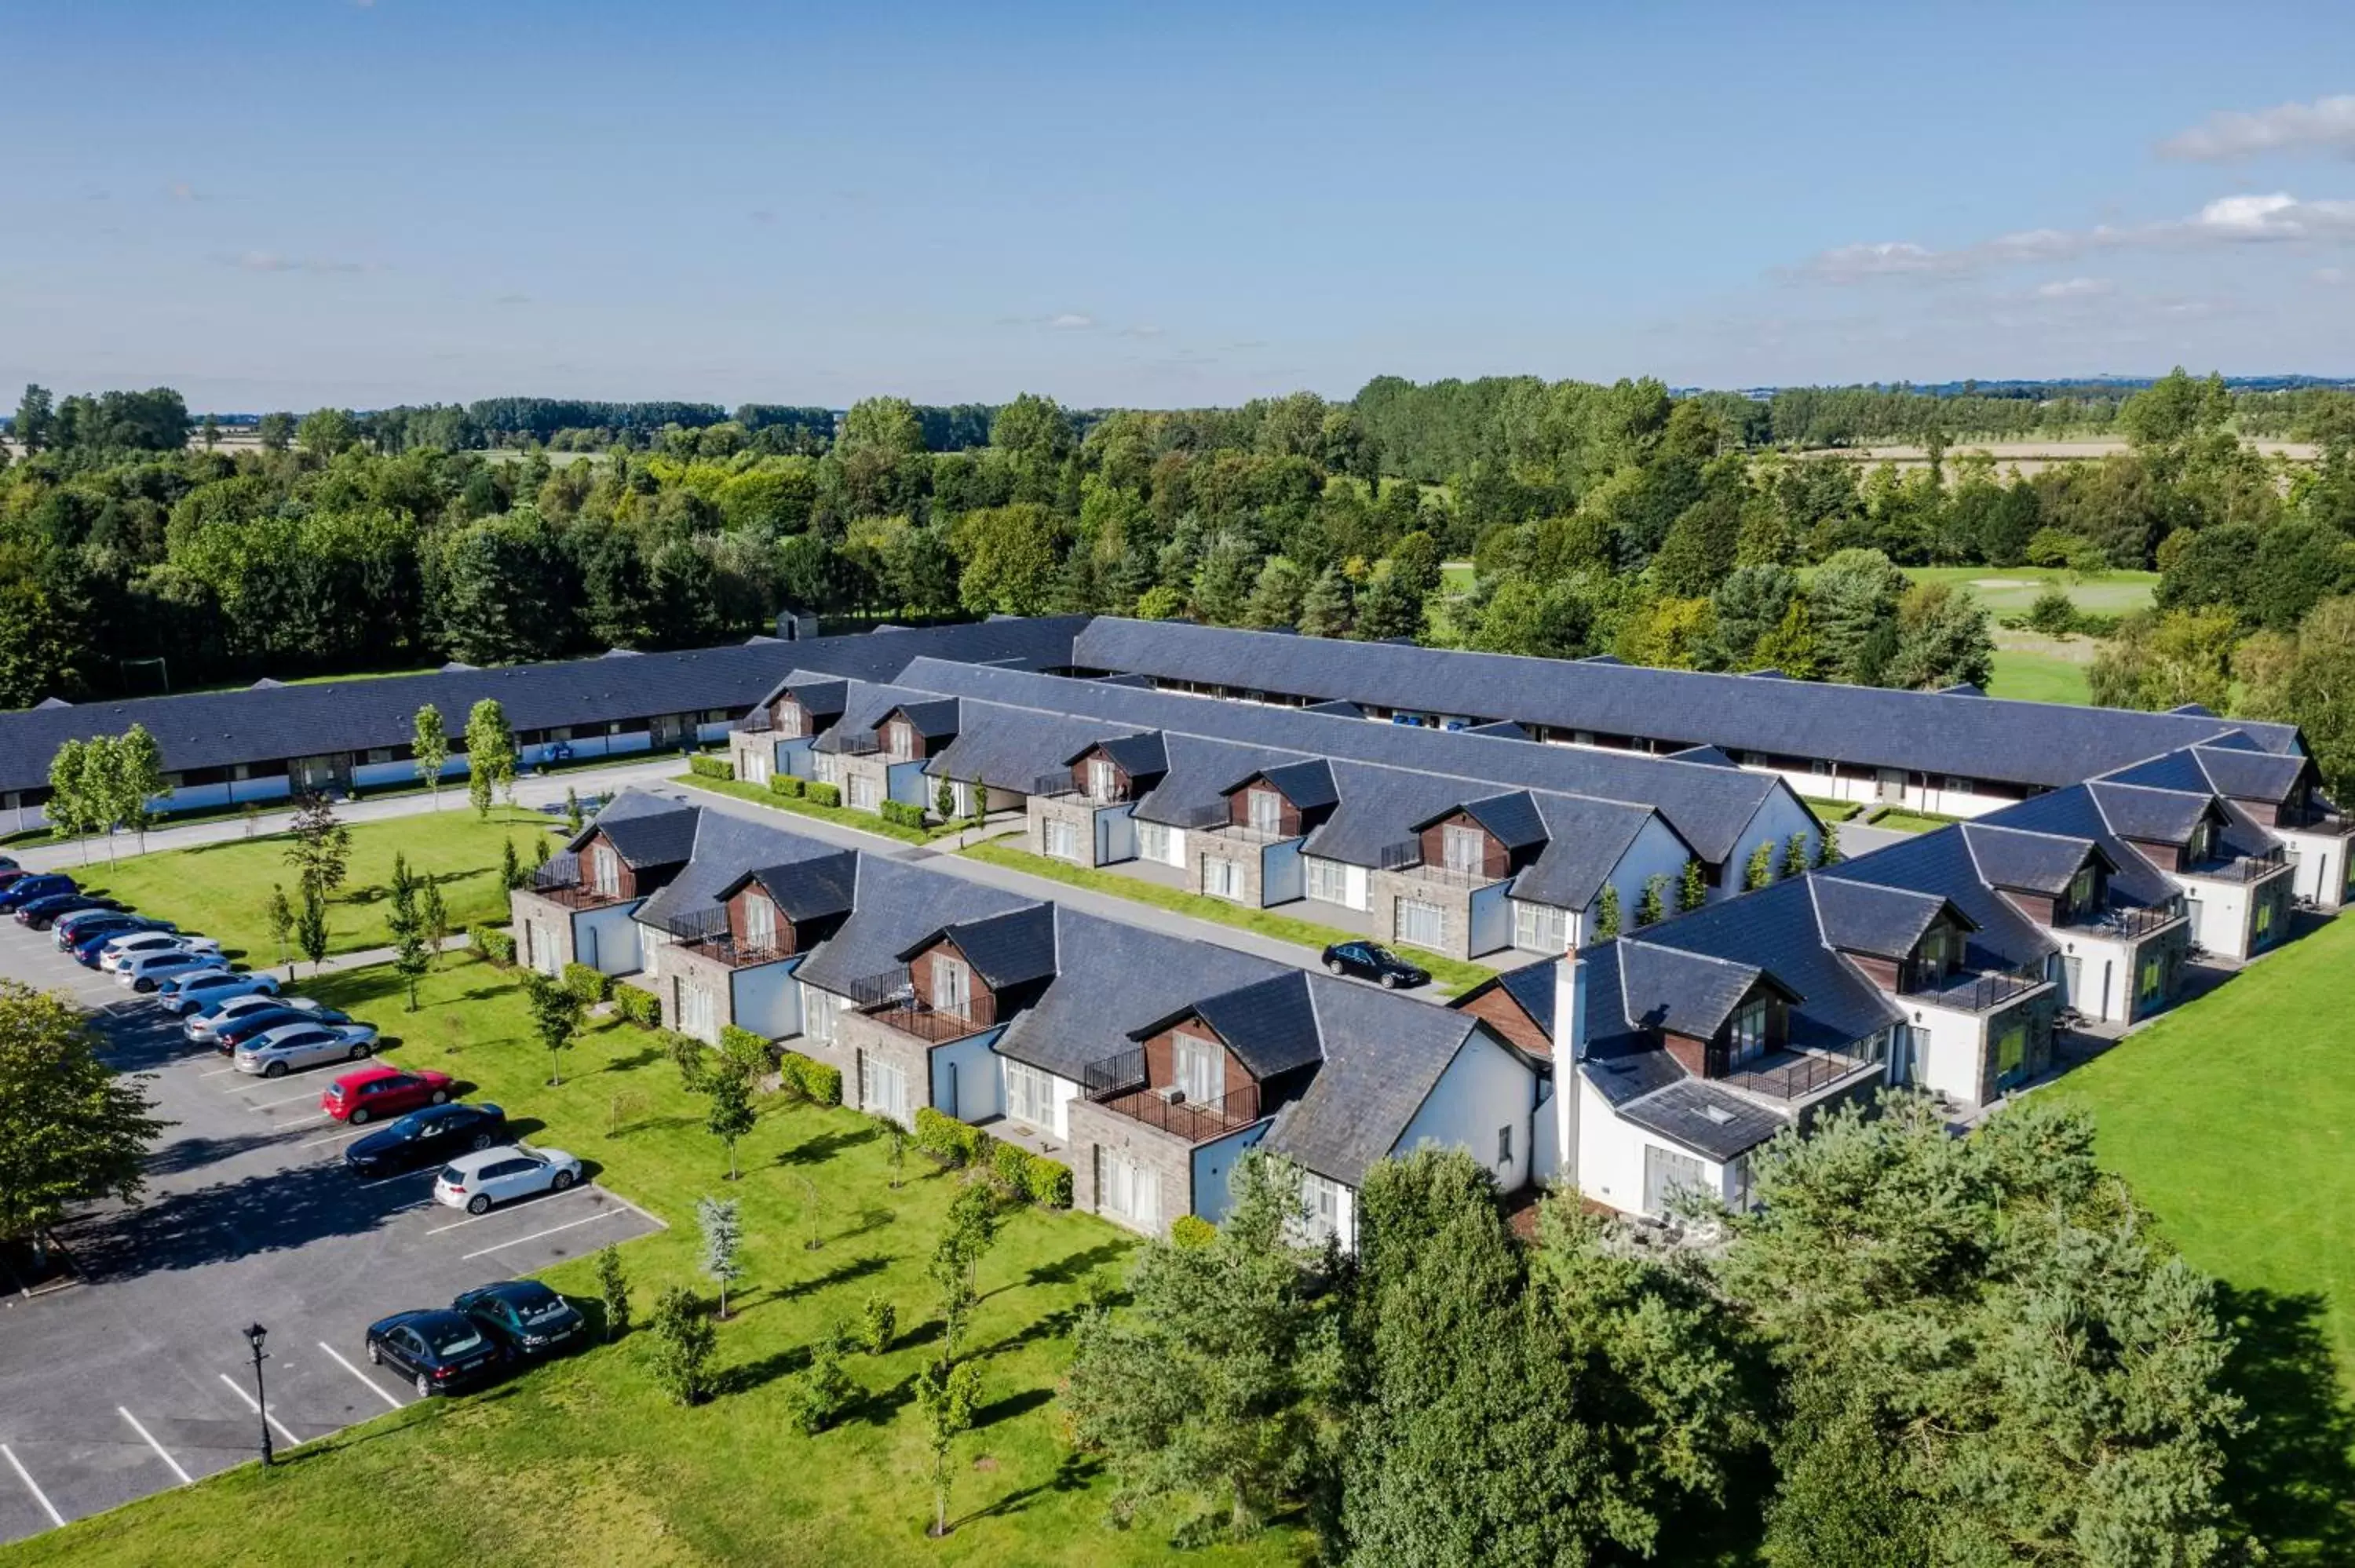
1049, 1181
1010, 1163
900, 813
494, 944
1191, 1231
592, 986
640, 1006
951, 1141
818, 1082
711, 768
789, 784
745, 1051
824, 794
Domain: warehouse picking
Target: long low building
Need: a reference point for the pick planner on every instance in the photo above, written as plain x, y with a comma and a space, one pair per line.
1147, 1062
1957, 753
270, 740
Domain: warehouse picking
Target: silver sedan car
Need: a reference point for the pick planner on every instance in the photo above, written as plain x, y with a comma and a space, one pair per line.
297, 1046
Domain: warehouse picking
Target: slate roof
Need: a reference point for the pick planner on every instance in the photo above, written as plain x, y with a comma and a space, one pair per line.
217, 729
820, 699
1940, 862
933, 718
1585, 841
1012, 749
720, 847
1140, 755
1971, 736
661, 833
1711, 1121
1531, 986
1009, 949
1709, 807
2029, 861
2158, 816
1111, 978
1682, 990
1381, 1061
2073, 813
1308, 784
1513, 819
1504, 729
810, 889
2261, 776
1270, 1025
1884, 922
895, 904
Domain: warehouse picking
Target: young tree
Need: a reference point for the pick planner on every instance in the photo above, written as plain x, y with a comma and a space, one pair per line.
572, 810
822, 1389
1828, 848
69, 808
140, 779
1795, 857
1204, 1397
310, 930
411, 958
731, 1111
720, 1224
955, 1267
1693, 888
319, 849
1607, 914
1760, 869
614, 1291
510, 866
555, 1019
431, 742
432, 916
683, 1343
491, 757
879, 1324
71, 1128
944, 800
946, 1399
281, 916
1652, 907
102, 788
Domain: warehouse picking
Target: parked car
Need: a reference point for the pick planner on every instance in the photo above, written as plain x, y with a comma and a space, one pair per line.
201, 988
68, 931
525, 1315
229, 1034
146, 972
475, 1181
117, 951
441, 1351
374, 1093
1372, 960
42, 913
425, 1137
198, 1025
8, 862
290, 1046
23, 890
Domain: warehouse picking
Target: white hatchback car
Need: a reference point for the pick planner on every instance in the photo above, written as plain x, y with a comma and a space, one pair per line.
198, 989
123, 950
197, 1027
475, 1181
146, 972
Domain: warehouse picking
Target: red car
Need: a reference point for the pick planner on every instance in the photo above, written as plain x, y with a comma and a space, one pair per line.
373, 1092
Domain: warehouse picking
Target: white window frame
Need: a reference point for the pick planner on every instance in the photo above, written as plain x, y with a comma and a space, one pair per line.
1327, 880
1462, 848
863, 794
1197, 1067
1062, 838
760, 922
1539, 927
1103, 781
1264, 808
952, 985
1668, 1170
1228, 882
605, 870
1130, 1190
1437, 940
874, 1077
820, 1009
1320, 1201
1030, 1095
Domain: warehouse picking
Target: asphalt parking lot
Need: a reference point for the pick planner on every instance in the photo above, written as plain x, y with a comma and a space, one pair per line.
137, 1377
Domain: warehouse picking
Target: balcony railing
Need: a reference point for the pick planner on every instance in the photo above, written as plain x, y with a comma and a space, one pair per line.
1405, 857
856, 744
1057, 786
1971, 992
1120, 1082
758, 721
560, 882
1199, 819
890, 999
1113, 1074
1801, 1076
2246, 868
2127, 923
1250, 832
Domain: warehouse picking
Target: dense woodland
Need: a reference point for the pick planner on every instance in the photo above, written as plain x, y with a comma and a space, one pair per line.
1698, 532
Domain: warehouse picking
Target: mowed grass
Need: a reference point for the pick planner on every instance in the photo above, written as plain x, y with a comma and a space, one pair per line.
2035, 677
586, 1461
223, 889
2012, 590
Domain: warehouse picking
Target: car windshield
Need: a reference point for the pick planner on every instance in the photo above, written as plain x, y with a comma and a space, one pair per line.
548, 1311
409, 1127
450, 1336
1380, 955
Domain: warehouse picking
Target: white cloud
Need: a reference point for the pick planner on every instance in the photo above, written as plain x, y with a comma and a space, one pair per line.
1876, 258
1071, 321
2328, 277
271, 261
2327, 124
2074, 289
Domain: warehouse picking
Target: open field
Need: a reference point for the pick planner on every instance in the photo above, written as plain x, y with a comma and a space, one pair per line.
2034, 454
222, 889
2035, 676
2013, 590
586, 1461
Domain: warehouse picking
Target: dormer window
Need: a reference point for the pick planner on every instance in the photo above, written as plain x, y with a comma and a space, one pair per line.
899, 739
1101, 779
789, 719
1266, 809
605, 871
1746, 1035
2081, 891
1465, 848
2202, 840
1198, 1069
760, 923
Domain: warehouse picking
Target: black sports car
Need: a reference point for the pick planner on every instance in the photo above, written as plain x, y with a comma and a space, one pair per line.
427, 1137
441, 1350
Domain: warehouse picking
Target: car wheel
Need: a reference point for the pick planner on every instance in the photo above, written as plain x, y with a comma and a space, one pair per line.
359, 1116
376, 1355
143, 986
424, 1386
564, 1178
441, 1096
1389, 982
480, 1203
1333, 966
482, 1140
360, 1053
276, 1070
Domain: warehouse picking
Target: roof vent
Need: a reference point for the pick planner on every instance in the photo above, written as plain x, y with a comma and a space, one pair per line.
1718, 1114
619, 654
1962, 688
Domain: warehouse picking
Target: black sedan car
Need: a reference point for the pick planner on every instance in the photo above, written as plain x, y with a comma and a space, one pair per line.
40, 913
441, 1352
525, 1315
428, 1137
263, 1020
1372, 960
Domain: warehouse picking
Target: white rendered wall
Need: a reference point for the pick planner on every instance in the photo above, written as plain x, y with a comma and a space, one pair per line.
1485, 1088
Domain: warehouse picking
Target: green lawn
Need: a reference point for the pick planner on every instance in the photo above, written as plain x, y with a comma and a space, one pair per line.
1450, 975
1832, 811
844, 816
1898, 822
586, 1462
222, 889
2235, 1119
2037, 677
2010, 590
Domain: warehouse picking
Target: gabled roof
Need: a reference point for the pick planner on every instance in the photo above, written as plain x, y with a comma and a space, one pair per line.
1713, 1122
1381, 1062
646, 831
1532, 988
821, 697
1009, 949
1687, 992
1512, 818
1708, 755
1502, 729
1140, 755
2023, 861
2073, 813
2040, 744
2155, 816
722, 845
1112, 976
894, 904
932, 717
1881, 922
1585, 842
805, 890
1308, 784
1337, 706
1270, 1025
2261, 776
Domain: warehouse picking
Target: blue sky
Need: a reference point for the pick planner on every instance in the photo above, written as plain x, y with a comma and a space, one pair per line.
295, 202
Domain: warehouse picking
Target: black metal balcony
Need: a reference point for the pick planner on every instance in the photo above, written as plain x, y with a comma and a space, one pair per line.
1969, 992
2245, 868
1804, 1074
1405, 857
1062, 786
2127, 923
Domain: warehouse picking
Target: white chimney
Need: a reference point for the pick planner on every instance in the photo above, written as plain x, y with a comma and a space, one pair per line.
1569, 1050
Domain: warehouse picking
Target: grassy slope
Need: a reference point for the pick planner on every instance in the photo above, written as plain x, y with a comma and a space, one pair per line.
222, 889
1447, 974
2113, 593
2037, 678
586, 1462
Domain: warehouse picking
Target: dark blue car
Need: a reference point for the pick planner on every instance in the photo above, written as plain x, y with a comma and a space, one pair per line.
428, 1136
40, 913
90, 936
25, 889
439, 1351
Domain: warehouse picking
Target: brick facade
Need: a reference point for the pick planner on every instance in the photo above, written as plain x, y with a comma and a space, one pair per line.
1495, 860
537, 921
1097, 1134
1074, 809
1454, 900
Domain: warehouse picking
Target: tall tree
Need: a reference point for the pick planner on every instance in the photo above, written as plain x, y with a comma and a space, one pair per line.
311, 933
318, 847
70, 809
555, 1019
947, 1398
36, 422
140, 779
720, 1228
431, 745
731, 1116
491, 756
71, 1128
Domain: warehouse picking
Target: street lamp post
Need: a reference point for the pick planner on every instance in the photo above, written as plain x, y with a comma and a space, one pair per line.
254, 1336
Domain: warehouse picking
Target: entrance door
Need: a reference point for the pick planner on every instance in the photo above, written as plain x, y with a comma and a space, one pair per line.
1892, 785
1667, 1173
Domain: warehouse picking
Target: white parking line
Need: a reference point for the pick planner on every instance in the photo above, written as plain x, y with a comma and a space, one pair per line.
251, 1403
32, 1486
306, 1120
184, 1476
284, 1100
496, 1212
499, 1247
216, 1073
376, 1388
333, 1138
404, 1176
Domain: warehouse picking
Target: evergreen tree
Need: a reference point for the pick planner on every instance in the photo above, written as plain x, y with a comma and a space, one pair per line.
1760, 869
1606, 914
1795, 857
1693, 888
318, 848
1329, 607
1828, 847
1390, 607
614, 1291
720, 1225
1652, 907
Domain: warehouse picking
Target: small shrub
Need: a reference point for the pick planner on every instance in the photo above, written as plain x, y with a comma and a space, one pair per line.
1192, 1231
900, 814
592, 986
494, 944
746, 1054
822, 1389
710, 768
824, 794
949, 1141
1049, 1181
787, 784
813, 1080
691, 1056
1010, 1163
2053, 613
878, 1325
640, 1006
684, 1342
